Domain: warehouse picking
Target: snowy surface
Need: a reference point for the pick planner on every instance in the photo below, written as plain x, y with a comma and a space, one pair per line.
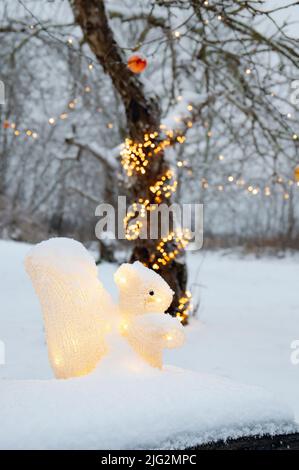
240, 378
64, 255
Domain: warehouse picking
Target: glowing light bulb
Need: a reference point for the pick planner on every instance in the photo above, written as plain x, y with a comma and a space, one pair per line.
122, 280
267, 191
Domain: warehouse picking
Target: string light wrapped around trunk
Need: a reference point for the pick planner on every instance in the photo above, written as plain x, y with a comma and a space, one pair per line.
185, 307
136, 160
165, 186
135, 156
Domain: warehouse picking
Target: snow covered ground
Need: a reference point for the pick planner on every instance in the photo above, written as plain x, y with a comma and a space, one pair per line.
248, 318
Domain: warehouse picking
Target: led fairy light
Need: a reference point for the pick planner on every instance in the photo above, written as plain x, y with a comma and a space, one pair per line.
179, 238
132, 230
251, 188
135, 159
52, 120
267, 191
165, 186
135, 155
185, 307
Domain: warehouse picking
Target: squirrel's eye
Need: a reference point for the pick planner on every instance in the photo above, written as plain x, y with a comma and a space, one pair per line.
151, 292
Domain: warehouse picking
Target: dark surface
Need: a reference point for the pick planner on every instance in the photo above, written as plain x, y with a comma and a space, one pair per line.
279, 442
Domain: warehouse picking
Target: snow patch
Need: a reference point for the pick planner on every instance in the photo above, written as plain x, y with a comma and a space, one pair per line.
126, 404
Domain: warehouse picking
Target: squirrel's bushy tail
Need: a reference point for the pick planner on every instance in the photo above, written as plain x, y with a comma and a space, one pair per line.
74, 305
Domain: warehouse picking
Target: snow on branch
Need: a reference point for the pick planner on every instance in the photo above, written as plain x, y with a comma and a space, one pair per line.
109, 161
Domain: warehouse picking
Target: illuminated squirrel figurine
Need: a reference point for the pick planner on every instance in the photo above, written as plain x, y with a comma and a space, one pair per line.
77, 309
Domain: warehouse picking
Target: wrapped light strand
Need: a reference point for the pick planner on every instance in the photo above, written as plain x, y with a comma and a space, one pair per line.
251, 188
132, 230
185, 307
19, 132
135, 159
179, 239
52, 120
165, 186
135, 155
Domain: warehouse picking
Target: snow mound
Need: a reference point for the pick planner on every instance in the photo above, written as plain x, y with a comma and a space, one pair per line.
64, 255
125, 404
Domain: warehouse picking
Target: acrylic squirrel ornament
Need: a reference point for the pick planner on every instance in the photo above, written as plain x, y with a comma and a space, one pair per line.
78, 311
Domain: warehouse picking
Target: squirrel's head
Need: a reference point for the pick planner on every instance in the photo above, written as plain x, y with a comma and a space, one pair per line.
141, 290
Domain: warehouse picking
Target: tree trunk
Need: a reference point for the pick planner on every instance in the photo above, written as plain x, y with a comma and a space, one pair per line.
143, 115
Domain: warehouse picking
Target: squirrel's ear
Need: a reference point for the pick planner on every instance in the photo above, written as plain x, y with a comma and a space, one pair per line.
125, 275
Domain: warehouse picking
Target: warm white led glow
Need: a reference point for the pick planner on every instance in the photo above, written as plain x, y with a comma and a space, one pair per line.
142, 302
74, 304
